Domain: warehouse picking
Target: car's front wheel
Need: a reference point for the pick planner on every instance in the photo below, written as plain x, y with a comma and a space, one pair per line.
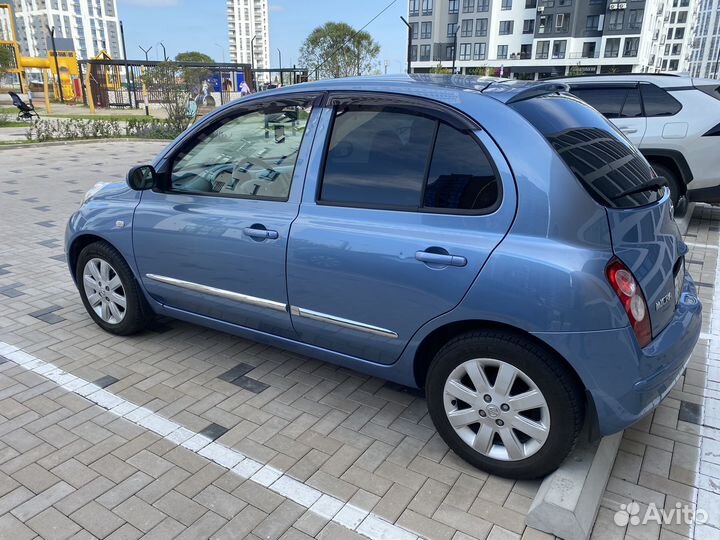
504, 404
109, 291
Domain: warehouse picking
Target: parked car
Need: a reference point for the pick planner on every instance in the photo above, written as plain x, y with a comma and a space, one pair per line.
500, 245
673, 119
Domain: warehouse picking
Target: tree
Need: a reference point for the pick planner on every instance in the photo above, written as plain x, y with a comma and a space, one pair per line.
192, 76
336, 50
7, 59
163, 80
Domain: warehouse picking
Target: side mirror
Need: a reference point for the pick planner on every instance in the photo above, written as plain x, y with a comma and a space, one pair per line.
142, 177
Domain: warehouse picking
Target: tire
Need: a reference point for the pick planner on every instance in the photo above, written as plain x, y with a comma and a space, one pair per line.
673, 181
561, 414
100, 259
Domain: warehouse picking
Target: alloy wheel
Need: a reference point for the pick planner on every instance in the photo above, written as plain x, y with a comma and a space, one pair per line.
104, 291
496, 409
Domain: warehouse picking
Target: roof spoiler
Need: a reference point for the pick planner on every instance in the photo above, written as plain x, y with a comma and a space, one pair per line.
540, 89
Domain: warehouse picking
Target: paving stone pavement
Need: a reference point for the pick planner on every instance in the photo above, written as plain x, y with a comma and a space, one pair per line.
71, 469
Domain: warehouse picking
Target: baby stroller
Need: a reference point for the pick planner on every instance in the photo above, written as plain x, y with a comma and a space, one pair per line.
25, 111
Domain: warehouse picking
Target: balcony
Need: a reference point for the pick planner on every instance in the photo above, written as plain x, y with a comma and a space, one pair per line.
579, 55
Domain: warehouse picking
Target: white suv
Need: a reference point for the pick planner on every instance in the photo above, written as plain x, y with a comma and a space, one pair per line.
674, 121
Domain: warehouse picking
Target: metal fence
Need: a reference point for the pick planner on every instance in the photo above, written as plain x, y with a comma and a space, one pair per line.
131, 84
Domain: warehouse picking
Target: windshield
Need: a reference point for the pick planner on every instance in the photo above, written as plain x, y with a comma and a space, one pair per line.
604, 161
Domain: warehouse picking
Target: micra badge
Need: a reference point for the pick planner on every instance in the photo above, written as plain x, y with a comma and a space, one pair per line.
664, 301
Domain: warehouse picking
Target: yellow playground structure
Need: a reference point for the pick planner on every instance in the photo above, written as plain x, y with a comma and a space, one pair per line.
62, 62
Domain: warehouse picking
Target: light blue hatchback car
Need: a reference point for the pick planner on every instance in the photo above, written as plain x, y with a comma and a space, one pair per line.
499, 244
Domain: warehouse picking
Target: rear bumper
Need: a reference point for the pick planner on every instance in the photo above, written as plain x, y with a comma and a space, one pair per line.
624, 381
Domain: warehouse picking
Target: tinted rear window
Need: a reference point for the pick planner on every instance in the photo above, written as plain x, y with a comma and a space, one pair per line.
658, 102
604, 161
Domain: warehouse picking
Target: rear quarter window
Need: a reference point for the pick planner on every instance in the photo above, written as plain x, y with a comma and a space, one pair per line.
658, 102
601, 158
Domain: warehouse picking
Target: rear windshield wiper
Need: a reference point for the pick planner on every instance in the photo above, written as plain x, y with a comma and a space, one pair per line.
648, 185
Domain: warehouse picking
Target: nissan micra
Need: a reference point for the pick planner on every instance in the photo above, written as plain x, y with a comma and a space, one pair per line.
499, 244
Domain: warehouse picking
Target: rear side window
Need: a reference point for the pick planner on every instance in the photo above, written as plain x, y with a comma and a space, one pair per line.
601, 158
611, 102
394, 157
658, 102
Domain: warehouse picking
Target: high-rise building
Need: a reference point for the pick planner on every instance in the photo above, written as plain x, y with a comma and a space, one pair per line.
93, 25
705, 59
248, 32
531, 39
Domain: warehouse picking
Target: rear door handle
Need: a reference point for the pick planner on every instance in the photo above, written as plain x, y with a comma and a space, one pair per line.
260, 234
628, 129
440, 259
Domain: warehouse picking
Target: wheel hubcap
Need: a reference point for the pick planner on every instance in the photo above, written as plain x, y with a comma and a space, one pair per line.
496, 409
104, 291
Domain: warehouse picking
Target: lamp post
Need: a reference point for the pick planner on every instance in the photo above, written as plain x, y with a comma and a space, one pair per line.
128, 74
280, 62
146, 51
455, 48
252, 62
409, 47
164, 51
57, 65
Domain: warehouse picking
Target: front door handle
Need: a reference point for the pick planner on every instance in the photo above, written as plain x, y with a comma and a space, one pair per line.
440, 259
260, 234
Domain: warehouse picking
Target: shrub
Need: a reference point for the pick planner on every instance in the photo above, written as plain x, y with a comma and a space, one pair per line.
69, 129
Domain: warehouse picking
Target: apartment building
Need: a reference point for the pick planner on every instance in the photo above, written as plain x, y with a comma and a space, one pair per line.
705, 57
248, 32
531, 39
93, 25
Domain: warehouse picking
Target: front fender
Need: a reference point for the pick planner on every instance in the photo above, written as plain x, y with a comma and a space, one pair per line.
108, 218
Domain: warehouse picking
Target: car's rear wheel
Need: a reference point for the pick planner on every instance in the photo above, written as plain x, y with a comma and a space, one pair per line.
672, 179
109, 291
504, 404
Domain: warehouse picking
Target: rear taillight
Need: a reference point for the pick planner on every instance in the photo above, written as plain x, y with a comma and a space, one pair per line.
632, 299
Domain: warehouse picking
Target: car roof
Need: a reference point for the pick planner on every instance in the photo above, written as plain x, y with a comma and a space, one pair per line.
503, 90
663, 80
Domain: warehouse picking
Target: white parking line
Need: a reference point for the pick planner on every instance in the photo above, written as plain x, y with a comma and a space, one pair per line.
324, 505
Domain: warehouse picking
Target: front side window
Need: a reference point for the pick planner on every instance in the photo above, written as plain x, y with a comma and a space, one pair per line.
395, 157
250, 156
607, 101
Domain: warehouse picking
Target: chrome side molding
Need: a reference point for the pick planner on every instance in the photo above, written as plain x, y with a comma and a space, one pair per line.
277, 306
221, 293
345, 323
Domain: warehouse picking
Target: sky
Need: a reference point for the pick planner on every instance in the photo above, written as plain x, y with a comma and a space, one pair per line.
201, 25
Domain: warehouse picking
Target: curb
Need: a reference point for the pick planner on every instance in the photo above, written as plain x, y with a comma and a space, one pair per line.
568, 500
